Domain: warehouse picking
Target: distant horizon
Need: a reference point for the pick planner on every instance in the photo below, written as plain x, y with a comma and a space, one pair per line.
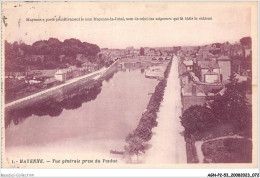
224, 41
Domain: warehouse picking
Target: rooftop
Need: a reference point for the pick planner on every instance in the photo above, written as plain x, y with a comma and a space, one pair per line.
223, 58
188, 62
211, 73
59, 72
209, 64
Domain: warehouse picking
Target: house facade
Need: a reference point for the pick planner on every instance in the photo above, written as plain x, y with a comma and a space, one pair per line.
60, 75
224, 63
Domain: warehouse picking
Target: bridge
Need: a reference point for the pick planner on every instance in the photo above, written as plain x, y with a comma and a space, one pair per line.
142, 61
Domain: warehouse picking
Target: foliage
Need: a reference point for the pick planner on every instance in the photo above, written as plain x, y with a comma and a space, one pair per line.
143, 132
141, 51
246, 41
198, 119
232, 106
229, 150
215, 50
218, 45
136, 146
18, 56
229, 109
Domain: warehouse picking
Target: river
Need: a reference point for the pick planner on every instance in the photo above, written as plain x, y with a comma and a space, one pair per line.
81, 123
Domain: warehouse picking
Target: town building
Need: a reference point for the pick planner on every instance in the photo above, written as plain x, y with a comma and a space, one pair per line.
150, 52
60, 75
188, 64
73, 71
209, 71
224, 63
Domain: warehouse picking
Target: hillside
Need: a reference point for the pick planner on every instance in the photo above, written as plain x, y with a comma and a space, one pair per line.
48, 54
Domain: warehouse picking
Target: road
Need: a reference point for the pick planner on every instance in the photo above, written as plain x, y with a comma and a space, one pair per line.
167, 144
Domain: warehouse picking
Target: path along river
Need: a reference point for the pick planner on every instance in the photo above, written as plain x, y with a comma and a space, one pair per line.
167, 143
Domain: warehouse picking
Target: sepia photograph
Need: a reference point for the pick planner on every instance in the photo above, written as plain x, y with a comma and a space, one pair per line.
129, 85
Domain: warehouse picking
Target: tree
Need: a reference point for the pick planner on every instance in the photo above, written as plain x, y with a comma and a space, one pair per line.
198, 119
143, 132
141, 51
135, 146
232, 80
232, 106
246, 41
18, 55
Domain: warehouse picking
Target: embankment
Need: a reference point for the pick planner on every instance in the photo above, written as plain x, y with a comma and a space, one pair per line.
137, 140
102, 73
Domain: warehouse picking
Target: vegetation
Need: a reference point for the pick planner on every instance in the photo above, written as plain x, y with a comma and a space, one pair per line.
23, 63
246, 41
228, 109
198, 119
215, 48
136, 145
16, 89
229, 150
232, 106
141, 51
143, 133
18, 56
72, 98
229, 113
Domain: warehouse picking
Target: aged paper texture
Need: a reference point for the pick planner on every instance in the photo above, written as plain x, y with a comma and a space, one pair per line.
129, 85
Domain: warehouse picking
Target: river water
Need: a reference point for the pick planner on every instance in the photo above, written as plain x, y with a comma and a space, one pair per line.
81, 123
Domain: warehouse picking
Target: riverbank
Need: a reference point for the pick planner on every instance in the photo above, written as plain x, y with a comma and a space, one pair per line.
158, 136
89, 123
138, 140
167, 143
94, 75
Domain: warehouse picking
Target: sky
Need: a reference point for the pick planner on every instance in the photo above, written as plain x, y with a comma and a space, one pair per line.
230, 22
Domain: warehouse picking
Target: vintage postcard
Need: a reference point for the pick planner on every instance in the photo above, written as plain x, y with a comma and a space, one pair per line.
129, 85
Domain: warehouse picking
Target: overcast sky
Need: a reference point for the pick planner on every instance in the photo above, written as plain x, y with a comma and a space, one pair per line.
229, 22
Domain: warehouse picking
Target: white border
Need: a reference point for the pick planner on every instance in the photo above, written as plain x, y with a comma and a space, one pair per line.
125, 172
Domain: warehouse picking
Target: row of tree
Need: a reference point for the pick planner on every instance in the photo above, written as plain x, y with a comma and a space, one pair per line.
143, 133
17, 55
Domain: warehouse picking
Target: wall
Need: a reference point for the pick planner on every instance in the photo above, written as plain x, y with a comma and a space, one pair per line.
225, 69
59, 77
188, 101
211, 78
111, 69
216, 70
202, 74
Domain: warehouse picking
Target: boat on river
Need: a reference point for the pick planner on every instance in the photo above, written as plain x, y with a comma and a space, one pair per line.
155, 72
